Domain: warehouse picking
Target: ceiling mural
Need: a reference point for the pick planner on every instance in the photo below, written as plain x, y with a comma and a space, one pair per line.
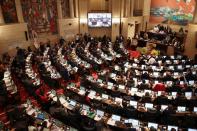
178, 12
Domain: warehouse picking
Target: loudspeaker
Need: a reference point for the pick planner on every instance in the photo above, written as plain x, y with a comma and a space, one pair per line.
26, 35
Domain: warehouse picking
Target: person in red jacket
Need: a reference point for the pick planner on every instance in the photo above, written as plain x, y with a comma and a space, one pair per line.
42, 94
159, 87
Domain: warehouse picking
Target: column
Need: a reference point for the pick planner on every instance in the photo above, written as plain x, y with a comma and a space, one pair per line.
195, 15
59, 9
128, 4
71, 6
132, 7
19, 11
76, 8
1, 16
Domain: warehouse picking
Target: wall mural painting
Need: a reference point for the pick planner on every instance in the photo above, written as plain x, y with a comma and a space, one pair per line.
65, 8
9, 11
41, 16
178, 12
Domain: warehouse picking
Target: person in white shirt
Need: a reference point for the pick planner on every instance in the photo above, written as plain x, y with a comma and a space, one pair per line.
151, 60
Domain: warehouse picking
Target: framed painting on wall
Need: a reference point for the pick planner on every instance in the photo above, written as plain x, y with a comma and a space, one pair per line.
9, 11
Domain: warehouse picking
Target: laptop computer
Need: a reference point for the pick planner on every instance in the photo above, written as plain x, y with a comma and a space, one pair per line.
190, 129
134, 122
172, 127
171, 67
133, 103
104, 96
195, 109
99, 113
149, 105
85, 107
163, 107
191, 82
174, 94
188, 94
109, 84
181, 108
150, 124
115, 117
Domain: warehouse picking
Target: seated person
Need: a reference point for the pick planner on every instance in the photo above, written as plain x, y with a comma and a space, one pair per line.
159, 86
146, 98
168, 77
169, 111
42, 94
143, 86
115, 92
174, 88
162, 99
180, 100
189, 76
145, 75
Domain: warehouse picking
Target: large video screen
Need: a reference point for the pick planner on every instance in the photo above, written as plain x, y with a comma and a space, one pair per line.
99, 19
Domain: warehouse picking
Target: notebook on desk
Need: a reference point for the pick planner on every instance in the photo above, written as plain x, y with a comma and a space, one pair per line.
134, 122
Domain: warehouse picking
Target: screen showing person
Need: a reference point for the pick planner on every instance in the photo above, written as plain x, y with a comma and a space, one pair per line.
99, 19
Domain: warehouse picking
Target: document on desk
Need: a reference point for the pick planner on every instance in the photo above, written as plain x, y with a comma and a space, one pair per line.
111, 122
81, 92
62, 100
31, 111
55, 98
97, 118
139, 94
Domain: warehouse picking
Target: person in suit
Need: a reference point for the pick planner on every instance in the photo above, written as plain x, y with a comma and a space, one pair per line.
146, 98
162, 99
143, 86
174, 88
115, 92
180, 100
145, 76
